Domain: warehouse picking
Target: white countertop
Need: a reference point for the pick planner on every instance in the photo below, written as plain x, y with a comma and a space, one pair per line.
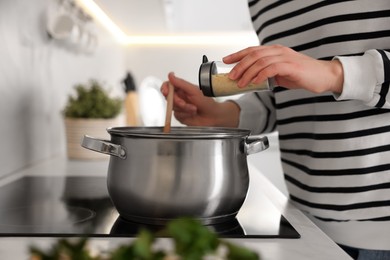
313, 244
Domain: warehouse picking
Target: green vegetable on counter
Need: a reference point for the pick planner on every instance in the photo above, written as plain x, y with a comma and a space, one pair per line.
192, 241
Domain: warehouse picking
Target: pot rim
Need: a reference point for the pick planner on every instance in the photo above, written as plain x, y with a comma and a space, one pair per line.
192, 132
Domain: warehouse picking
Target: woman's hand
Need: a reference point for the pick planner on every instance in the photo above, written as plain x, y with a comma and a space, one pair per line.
290, 69
191, 107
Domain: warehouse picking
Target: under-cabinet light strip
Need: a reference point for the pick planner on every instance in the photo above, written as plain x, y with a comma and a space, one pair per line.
175, 39
97, 13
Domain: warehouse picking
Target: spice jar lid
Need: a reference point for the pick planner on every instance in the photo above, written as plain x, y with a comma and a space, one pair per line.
205, 72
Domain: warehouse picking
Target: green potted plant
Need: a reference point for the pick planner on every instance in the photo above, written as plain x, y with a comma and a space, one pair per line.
90, 112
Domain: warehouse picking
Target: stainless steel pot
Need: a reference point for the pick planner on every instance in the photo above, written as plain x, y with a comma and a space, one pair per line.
201, 172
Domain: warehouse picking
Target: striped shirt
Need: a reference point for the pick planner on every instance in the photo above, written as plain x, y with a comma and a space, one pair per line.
335, 149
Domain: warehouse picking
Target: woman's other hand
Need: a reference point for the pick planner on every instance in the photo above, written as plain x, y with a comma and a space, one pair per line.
192, 108
289, 68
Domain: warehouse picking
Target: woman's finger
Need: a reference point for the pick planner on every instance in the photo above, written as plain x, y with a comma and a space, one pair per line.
237, 56
259, 71
182, 84
255, 56
181, 105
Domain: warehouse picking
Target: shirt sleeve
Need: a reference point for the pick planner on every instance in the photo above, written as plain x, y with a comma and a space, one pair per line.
367, 78
257, 112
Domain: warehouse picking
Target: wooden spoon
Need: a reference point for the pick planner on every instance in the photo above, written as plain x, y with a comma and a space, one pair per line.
168, 115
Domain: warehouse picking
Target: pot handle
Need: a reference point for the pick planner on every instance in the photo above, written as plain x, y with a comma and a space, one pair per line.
103, 146
255, 144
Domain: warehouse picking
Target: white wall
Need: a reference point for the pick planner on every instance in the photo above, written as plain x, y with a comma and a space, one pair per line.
36, 76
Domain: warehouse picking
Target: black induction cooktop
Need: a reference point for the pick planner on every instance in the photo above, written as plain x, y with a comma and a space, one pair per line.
44, 206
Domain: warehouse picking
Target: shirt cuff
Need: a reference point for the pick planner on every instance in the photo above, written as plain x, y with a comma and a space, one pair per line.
250, 114
360, 77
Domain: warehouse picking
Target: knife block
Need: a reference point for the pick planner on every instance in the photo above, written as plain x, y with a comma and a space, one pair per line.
131, 108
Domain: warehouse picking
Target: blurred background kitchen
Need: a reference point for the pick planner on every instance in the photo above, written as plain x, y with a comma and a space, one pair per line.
49, 46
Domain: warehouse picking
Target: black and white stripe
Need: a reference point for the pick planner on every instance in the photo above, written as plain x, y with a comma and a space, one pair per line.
335, 153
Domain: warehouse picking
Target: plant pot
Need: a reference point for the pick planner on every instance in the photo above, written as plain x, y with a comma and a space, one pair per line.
76, 128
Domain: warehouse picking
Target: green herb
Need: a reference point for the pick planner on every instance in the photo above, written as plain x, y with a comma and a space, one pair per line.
65, 249
192, 241
140, 249
239, 253
92, 101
